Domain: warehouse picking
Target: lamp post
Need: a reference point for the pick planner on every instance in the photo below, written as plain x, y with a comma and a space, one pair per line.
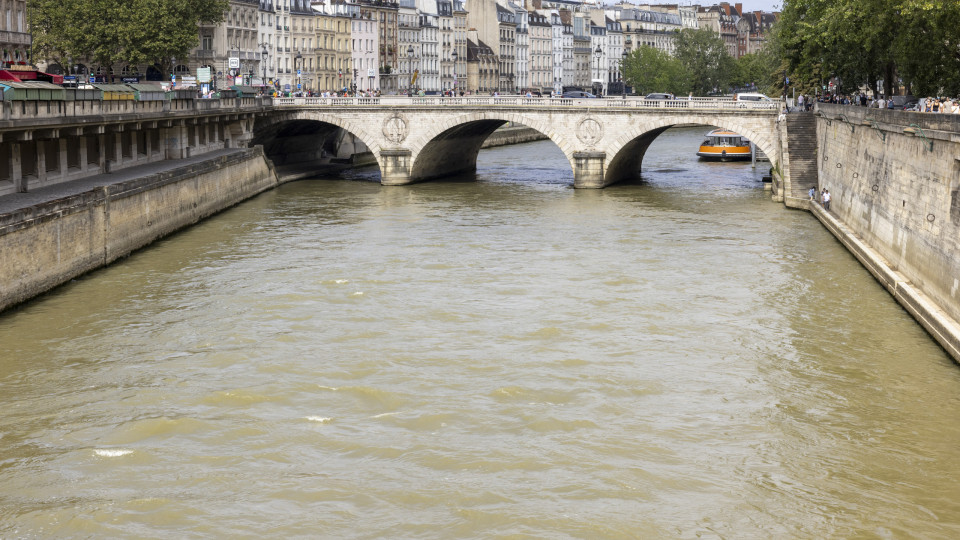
599, 53
263, 62
410, 69
297, 60
454, 56
623, 80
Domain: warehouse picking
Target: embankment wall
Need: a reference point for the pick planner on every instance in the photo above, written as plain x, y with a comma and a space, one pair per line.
894, 177
50, 243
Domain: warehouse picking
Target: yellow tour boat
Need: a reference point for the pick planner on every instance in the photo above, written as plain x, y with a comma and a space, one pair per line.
725, 146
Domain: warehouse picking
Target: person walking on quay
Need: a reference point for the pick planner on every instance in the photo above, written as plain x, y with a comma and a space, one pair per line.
813, 193
800, 107
826, 199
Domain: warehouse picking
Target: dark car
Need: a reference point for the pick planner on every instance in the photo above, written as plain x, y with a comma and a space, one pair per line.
659, 95
578, 94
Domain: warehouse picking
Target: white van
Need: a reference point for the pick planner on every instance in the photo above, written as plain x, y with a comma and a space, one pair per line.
747, 96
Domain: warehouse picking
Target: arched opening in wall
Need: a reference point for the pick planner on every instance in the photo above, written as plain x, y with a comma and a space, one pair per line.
306, 148
695, 152
494, 149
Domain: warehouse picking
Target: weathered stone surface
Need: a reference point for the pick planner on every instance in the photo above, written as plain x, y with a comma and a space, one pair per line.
445, 140
894, 177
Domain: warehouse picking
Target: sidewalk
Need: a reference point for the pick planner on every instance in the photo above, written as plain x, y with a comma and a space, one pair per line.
16, 201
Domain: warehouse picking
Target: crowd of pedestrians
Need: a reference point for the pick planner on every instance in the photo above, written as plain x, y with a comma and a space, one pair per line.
940, 105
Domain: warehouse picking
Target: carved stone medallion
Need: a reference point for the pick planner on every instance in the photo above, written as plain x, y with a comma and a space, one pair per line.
589, 131
395, 128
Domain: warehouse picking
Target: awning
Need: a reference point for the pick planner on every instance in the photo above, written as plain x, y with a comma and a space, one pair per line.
19, 76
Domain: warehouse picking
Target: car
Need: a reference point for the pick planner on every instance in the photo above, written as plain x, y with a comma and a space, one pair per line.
578, 94
750, 96
659, 95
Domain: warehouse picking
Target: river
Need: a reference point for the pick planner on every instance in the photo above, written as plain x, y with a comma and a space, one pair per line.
494, 357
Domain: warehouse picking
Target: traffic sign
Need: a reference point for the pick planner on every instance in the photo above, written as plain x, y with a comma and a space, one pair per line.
298, 86
298, 73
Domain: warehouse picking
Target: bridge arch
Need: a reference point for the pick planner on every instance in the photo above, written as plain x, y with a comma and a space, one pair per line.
451, 145
300, 136
625, 153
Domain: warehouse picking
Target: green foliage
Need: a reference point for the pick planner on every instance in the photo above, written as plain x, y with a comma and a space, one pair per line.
105, 32
648, 70
864, 41
705, 59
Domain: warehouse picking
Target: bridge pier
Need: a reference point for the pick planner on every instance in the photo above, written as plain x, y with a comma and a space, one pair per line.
588, 170
395, 167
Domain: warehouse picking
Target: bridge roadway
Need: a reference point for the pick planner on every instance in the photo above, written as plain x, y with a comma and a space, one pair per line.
421, 138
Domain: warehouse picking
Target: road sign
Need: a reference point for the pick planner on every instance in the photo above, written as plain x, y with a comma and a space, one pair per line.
298, 73
233, 62
298, 86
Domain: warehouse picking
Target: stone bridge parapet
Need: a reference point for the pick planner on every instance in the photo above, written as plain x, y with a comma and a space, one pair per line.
604, 140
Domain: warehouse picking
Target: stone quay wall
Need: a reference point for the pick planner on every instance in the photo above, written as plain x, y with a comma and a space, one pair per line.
895, 181
512, 134
50, 243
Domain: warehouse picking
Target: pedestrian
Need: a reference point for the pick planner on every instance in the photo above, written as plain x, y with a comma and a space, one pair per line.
800, 103
826, 200
813, 193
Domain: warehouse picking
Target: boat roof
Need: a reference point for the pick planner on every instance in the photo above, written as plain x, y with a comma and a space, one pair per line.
722, 133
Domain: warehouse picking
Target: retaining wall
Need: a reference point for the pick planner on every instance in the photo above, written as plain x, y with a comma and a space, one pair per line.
895, 179
50, 243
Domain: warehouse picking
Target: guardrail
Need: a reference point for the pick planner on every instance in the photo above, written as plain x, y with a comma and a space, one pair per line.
520, 101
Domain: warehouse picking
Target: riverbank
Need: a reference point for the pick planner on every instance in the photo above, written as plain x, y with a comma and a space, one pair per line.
943, 328
54, 234
512, 134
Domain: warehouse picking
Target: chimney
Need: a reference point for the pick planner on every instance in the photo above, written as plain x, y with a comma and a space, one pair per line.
739, 8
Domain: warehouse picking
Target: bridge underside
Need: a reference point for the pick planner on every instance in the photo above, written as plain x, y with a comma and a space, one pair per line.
454, 151
308, 147
626, 164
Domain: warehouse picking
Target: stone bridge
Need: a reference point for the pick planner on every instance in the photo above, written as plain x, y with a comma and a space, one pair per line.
421, 138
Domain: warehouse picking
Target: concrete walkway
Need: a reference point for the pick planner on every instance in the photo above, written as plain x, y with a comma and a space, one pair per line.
16, 201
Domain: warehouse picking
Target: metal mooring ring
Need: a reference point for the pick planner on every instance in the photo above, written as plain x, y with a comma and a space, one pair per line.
856, 175
931, 218
839, 166
875, 187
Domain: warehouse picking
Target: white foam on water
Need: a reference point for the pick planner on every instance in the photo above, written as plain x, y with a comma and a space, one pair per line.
321, 419
381, 415
112, 452
358, 293
341, 281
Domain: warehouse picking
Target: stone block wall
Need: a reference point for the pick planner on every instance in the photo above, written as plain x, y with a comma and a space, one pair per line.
50, 243
894, 177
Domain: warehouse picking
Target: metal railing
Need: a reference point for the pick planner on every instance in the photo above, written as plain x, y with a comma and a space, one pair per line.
698, 103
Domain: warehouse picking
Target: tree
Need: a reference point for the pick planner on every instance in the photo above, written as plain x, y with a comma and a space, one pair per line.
916, 42
648, 70
704, 57
105, 32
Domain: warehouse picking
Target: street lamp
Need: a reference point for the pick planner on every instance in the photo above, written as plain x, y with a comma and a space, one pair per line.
599, 53
297, 60
623, 80
454, 56
263, 62
410, 68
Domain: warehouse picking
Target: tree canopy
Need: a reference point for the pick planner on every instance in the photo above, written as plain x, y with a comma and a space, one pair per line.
648, 70
105, 32
704, 57
913, 42
700, 65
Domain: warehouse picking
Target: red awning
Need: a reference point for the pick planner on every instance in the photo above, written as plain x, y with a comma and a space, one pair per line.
50, 77
21, 76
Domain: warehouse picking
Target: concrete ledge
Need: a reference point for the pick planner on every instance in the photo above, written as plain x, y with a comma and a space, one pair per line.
944, 329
